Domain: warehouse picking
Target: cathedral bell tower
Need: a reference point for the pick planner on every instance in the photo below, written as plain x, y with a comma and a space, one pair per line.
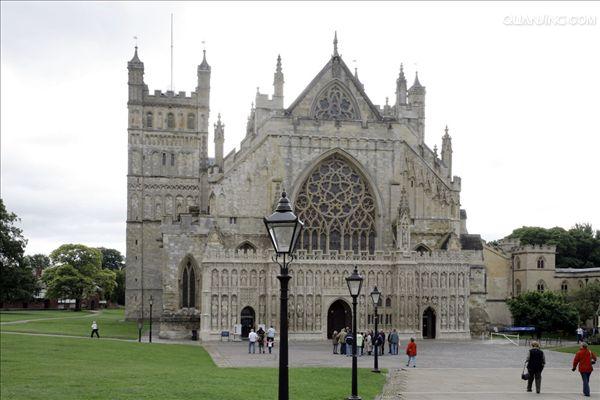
416, 98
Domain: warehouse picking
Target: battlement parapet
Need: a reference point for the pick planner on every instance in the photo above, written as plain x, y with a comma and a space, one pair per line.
535, 248
169, 97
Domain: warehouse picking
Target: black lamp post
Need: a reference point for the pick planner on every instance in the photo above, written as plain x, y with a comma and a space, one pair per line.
284, 229
354, 282
150, 334
375, 296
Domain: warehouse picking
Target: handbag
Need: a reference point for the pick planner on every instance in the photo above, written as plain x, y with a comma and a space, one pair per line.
525, 375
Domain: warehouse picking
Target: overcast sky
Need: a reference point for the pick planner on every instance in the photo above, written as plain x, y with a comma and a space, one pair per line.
517, 84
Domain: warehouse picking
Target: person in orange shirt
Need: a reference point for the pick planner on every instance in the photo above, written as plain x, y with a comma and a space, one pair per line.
411, 352
585, 358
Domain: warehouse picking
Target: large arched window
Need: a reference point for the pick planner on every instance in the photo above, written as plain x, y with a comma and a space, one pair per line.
188, 287
337, 208
540, 262
246, 247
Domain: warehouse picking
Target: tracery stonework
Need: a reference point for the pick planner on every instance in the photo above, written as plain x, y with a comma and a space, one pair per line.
367, 186
335, 103
337, 209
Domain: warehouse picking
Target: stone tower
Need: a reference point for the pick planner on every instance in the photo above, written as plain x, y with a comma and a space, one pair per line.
167, 175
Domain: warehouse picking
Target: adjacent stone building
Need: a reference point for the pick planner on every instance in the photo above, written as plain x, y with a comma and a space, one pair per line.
370, 191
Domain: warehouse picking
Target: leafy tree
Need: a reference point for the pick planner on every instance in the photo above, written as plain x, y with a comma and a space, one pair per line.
17, 282
38, 262
111, 259
77, 273
586, 301
547, 311
579, 247
118, 295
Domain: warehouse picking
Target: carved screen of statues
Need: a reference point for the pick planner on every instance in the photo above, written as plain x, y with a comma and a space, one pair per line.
337, 208
335, 102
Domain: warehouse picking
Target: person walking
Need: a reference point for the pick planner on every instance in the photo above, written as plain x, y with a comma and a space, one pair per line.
369, 343
334, 340
95, 330
535, 364
359, 343
342, 340
270, 338
394, 341
585, 358
381, 343
261, 340
579, 334
411, 352
252, 338
349, 341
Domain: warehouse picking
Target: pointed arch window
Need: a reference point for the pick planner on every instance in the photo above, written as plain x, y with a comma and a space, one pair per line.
518, 287
540, 262
517, 263
170, 120
188, 287
191, 121
149, 120
336, 103
541, 286
337, 208
246, 247
564, 287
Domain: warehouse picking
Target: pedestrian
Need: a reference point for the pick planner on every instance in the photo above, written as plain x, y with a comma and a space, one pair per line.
270, 338
411, 352
261, 340
585, 358
334, 340
389, 341
535, 364
95, 330
394, 341
579, 334
369, 343
252, 338
349, 341
359, 343
342, 340
381, 342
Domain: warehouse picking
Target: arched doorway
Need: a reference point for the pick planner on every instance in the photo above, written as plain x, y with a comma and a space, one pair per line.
247, 320
339, 316
429, 323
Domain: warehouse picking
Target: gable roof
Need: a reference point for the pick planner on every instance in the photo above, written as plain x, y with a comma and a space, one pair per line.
321, 75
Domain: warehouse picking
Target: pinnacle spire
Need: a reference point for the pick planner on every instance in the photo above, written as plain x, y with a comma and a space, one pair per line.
278, 68
204, 65
135, 58
401, 75
446, 135
335, 45
417, 83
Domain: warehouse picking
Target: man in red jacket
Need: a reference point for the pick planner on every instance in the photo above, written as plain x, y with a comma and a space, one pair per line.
584, 358
411, 352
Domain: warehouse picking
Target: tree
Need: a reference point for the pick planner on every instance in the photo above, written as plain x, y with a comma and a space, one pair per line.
111, 259
38, 263
76, 274
118, 295
579, 247
547, 311
17, 282
586, 301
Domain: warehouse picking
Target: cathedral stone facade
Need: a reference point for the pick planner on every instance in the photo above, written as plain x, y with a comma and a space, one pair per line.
370, 192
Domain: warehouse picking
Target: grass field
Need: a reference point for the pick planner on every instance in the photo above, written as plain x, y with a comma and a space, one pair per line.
36, 367
52, 368
11, 316
574, 349
111, 323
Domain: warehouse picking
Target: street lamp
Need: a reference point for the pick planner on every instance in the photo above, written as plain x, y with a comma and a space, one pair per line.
375, 296
354, 282
150, 334
284, 229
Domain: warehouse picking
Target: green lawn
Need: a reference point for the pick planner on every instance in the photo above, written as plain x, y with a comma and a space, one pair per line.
574, 349
111, 323
10, 316
49, 368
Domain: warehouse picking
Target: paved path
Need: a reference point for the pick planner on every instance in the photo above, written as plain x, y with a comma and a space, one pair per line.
465, 370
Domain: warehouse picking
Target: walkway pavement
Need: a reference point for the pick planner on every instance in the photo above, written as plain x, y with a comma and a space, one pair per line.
455, 370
